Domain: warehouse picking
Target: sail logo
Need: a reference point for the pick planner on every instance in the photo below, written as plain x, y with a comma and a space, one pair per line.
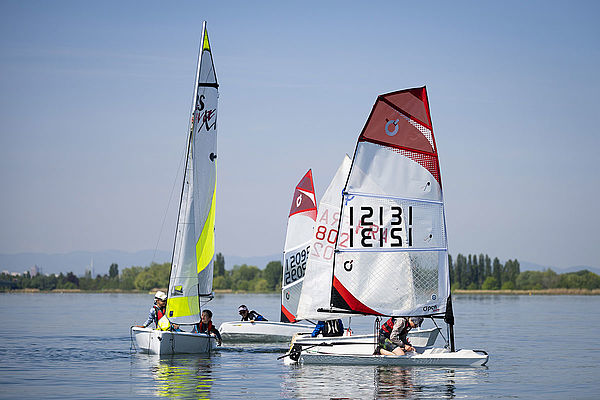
433, 308
204, 117
391, 127
348, 265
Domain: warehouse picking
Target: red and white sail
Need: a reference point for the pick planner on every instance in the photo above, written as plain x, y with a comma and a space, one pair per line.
395, 261
301, 223
316, 289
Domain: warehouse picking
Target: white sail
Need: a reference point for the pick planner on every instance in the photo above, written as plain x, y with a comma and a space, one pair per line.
316, 288
192, 264
301, 223
396, 262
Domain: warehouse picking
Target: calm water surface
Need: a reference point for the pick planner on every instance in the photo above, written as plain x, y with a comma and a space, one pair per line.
75, 346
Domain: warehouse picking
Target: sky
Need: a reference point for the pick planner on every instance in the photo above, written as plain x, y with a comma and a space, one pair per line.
95, 100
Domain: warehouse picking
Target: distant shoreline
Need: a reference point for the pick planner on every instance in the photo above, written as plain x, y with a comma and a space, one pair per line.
532, 292
540, 292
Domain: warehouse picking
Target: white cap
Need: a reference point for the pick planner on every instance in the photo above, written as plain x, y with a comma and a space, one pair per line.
160, 295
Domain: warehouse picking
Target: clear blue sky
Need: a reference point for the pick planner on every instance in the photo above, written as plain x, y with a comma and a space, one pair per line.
95, 96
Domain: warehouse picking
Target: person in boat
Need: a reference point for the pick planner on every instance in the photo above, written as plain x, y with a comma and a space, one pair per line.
333, 327
393, 336
158, 310
250, 315
157, 314
206, 326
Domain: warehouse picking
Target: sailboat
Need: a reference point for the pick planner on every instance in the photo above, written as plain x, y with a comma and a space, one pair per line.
315, 291
389, 252
190, 282
301, 222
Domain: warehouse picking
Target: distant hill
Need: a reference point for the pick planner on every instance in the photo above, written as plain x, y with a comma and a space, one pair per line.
529, 266
78, 261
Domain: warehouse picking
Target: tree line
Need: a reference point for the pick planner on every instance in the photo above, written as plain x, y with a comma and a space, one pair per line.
240, 278
474, 272
466, 272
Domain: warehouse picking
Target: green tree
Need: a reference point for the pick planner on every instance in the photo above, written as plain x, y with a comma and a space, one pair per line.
490, 283
113, 271
273, 274
219, 265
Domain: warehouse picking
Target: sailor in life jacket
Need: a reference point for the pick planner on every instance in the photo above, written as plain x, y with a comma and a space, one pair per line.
392, 335
206, 326
158, 310
157, 314
250, 315
333, 327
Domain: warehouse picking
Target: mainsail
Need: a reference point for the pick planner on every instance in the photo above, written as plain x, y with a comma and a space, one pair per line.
316, 288
193, 252
395, 259
301, 223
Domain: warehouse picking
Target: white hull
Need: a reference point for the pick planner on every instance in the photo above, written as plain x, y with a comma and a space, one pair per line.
429, 357
261, 331
363, 344
163, 342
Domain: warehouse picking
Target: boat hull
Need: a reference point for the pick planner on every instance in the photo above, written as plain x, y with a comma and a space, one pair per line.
429, 357
363, 344
153, 341
261, 331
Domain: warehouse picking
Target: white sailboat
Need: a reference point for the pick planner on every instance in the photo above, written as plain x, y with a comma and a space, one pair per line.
301, 222
190, 283
390, 258
315, 294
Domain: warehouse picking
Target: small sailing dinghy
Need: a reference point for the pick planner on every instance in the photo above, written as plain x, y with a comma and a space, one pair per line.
301, 222
317, 281
389, 247
190, 283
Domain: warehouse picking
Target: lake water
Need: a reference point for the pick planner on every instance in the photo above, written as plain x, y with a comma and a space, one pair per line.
77, 346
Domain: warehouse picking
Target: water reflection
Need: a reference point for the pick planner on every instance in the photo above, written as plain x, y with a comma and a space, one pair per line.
403, 383
182, 376
376, 382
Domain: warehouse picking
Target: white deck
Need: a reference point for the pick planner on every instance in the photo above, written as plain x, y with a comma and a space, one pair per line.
429, 357
153, 341
261, 331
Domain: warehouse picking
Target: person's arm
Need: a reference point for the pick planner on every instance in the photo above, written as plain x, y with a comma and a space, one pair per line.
150, 318
395, 335
217, 334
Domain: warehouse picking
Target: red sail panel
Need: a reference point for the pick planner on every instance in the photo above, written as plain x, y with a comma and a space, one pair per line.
304, 200
401, 120
413, 102
286, 316
341, 298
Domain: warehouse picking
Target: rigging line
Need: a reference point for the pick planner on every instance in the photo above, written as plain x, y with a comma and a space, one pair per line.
440, 331
168, 206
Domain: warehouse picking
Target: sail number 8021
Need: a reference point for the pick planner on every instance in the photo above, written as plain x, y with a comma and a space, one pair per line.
295, 265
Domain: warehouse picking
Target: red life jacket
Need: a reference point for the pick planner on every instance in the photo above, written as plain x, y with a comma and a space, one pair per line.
158, 314
201, 328
386, 328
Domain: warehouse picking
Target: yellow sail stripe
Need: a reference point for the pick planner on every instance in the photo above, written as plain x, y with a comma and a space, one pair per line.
182, 306
205, 44
205, 247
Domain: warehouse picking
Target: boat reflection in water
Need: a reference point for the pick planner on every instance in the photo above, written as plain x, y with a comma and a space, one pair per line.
184, 376
334, 381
